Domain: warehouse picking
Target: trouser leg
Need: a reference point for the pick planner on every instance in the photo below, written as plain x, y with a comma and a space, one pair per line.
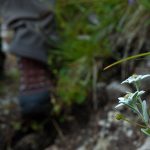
31, 49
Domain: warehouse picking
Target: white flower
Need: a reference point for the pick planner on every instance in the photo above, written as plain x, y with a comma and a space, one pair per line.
129, 99
135, 78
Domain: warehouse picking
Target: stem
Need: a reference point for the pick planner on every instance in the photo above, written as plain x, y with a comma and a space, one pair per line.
140, 100
135, 123
139, 114
137, 85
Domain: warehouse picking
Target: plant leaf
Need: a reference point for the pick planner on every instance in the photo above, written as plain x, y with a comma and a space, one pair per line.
144, 111
146, 131
126, 59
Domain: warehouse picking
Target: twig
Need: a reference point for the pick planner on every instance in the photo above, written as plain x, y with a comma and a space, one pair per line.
95, 72
58, 129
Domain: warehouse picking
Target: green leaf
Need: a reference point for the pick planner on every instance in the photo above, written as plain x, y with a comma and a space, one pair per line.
126, 59
146, 131
144, 110
135, 96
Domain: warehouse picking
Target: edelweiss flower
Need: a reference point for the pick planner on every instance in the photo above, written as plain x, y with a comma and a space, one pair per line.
135, 78
129, 99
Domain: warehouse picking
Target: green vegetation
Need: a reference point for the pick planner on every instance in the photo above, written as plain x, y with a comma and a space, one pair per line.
92, 30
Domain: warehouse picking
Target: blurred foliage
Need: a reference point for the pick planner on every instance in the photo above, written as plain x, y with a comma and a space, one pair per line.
86, 28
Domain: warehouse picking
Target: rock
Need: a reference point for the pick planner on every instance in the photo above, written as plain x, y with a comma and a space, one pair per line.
82, 148
111, 116
96, 143
53, 147
142, 69
129, 133
102, 144
116, 89
33, 141
101, 94
145, 83
28, 142
146, 145
2, 143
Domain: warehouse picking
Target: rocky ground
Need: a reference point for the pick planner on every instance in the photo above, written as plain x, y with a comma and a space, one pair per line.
85, 129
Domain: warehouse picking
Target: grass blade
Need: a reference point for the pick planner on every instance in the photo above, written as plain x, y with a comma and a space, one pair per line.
126, 59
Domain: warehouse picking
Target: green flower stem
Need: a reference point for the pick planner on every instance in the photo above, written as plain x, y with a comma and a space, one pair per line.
140, 115
137, 85
136, 110
135, 123
137, 88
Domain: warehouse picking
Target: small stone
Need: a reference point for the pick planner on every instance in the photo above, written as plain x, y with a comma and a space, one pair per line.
53, 147
102, 144
129, 133
116, 89
102, 123
111, 116
82, 148
146, 145
144, 69
101, 94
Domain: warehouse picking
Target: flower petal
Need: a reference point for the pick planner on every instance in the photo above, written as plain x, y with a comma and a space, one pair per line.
119, 105
135, 78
